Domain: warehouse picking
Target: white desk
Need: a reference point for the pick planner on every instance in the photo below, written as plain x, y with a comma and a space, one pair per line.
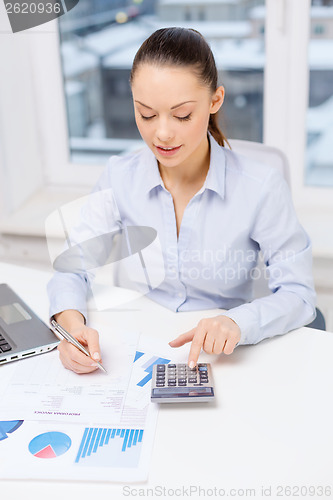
272, 423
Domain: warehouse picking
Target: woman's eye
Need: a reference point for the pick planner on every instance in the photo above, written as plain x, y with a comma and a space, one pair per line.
184, 118
147, 117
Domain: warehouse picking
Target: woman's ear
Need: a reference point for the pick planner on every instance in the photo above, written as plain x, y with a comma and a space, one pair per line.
217, 100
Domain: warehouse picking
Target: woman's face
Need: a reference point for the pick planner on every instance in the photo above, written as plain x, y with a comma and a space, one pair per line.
172, 112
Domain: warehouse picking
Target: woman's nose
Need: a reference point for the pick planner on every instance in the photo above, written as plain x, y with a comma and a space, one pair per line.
164, 132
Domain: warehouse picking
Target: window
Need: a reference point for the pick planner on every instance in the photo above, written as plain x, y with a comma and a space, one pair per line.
319, 29
319, 157
97, 48
59, 158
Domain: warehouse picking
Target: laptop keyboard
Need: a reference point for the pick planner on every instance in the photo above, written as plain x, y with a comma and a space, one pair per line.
4, 346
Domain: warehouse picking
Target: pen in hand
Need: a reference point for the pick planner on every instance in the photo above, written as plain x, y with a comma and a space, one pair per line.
72, 340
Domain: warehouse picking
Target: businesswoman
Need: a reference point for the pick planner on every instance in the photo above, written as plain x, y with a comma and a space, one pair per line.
213, 211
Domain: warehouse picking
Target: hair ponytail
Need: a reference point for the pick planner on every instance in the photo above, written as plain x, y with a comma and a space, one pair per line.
182, 47
215, 130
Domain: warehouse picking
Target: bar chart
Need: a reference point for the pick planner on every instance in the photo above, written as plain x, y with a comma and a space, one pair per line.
112, 447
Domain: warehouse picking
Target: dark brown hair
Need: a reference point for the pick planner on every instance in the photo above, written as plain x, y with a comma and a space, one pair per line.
182, 47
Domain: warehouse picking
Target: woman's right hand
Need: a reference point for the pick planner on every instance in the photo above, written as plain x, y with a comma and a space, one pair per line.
70, 356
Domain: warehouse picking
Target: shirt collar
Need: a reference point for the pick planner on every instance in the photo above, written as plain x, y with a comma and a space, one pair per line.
152, 178
215, 180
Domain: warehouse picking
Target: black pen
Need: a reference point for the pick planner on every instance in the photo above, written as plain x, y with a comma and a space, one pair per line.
72, 340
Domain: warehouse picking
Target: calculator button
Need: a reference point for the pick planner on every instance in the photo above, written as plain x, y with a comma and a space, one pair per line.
202, 368
160, 368
192, 380
171, 384
181, 384
171, 366
160, 384
182, 380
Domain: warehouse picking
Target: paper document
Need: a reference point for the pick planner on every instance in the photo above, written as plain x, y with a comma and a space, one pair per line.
41, 388
145, 358
52, 447
53, 450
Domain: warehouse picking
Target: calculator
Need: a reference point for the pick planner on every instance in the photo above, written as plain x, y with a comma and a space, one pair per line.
176, 383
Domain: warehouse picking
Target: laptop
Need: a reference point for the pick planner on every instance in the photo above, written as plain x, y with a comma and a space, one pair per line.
22, 333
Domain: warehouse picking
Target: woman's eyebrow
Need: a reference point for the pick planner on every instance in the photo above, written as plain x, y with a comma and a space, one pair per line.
173, 107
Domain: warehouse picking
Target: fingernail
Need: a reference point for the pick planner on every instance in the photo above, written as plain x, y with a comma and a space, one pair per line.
191, 364
94, 364
96, 356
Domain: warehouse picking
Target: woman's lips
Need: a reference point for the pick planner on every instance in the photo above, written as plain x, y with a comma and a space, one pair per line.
170, 151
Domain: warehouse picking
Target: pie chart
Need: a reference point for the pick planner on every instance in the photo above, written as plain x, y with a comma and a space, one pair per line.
50, 444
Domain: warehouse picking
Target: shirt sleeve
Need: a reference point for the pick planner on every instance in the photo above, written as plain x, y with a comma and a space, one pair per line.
68, 291
287, 253
90, 238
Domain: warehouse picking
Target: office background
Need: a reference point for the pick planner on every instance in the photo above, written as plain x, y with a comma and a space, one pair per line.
65, 105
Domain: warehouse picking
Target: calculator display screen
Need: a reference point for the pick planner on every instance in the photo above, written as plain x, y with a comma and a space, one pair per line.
180, 392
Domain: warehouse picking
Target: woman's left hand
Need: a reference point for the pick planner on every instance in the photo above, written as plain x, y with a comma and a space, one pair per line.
213, 335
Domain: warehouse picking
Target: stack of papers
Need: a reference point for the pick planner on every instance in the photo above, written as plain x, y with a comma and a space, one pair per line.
55, 424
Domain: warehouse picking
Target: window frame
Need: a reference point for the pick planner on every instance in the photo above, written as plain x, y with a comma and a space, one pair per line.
288, 26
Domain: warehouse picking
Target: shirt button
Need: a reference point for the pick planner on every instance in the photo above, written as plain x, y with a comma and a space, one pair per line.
180, 295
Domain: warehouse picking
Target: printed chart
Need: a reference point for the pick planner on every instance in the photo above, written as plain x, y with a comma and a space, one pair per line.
147, 366
110, 447
50, 445
9, 426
